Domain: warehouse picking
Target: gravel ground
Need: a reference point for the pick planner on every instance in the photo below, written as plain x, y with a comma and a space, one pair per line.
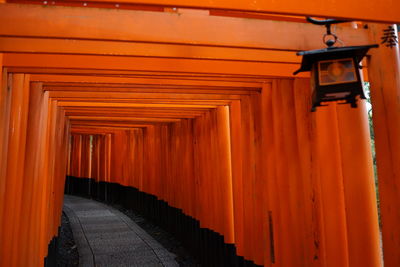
166, 239
67, 252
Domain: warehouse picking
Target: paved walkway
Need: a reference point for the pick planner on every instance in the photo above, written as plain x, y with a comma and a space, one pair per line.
106, 237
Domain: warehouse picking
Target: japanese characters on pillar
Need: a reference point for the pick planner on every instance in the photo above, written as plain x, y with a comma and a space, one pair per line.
389, 37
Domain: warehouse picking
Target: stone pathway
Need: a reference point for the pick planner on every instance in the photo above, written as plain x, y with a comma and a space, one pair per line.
106, 237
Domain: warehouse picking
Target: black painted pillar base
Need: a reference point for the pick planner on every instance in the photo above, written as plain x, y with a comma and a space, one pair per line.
52, 252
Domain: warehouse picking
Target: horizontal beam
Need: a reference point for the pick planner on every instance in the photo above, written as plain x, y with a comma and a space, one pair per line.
141, 95
157, 113
133, 105
100, 128
121, 119
100, 131
75, 123
178, 111
106, 128
132, 114
215, 102
194, 28
151, 64
107, 89
131, 81
383, 10
113, 48
140, 74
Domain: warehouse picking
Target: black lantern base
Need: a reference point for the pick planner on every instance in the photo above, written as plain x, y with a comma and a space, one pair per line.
345, 93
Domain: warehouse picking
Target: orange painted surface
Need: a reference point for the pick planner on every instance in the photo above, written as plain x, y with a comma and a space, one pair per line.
385, 90
4, 122
165, 27
150, 64
359, 184
16, 150
86, 47
204, 113
277, 163
372, 11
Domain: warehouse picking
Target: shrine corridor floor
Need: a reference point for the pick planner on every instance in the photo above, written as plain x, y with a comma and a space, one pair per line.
106, 237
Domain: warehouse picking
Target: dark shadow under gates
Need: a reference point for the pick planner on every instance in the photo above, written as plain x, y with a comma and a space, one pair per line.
205, 245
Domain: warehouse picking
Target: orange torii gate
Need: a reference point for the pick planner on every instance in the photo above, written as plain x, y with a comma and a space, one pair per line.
194, 105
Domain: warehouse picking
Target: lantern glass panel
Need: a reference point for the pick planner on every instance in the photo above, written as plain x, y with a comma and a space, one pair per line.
337, 71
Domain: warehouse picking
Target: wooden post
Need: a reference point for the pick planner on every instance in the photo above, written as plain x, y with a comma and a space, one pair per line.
248, 174
334, 227
224, 151
237, 184
5, 101
39, 180
16, 155
30, 175
384, 75
308, 168
47, 182
359, 186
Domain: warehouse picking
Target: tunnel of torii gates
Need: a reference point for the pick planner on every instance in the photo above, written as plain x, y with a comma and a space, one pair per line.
189, 111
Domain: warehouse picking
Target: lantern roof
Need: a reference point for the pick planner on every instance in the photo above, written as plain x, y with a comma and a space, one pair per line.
309, 57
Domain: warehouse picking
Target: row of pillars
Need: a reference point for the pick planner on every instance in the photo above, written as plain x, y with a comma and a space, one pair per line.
286, 186
33, 154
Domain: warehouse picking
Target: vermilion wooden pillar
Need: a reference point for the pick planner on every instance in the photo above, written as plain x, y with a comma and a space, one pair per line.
289, 205
320, 194
39, 180
384, 76
289, 222
248, 175
269, 177
225, 181
76, 152
334, 230
350, 235
85, 156
47, 181
26, 237
359, 186
5, 97
310, 236
237, 183
14, 171
95, 167
107, 157
61, 148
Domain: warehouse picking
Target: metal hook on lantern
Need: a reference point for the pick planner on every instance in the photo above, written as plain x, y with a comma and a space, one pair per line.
331, 41
327, 23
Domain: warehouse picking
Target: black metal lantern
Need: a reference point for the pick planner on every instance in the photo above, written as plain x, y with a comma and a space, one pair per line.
335, 71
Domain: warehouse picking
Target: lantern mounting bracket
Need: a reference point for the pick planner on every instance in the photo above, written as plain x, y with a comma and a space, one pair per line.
327, 23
